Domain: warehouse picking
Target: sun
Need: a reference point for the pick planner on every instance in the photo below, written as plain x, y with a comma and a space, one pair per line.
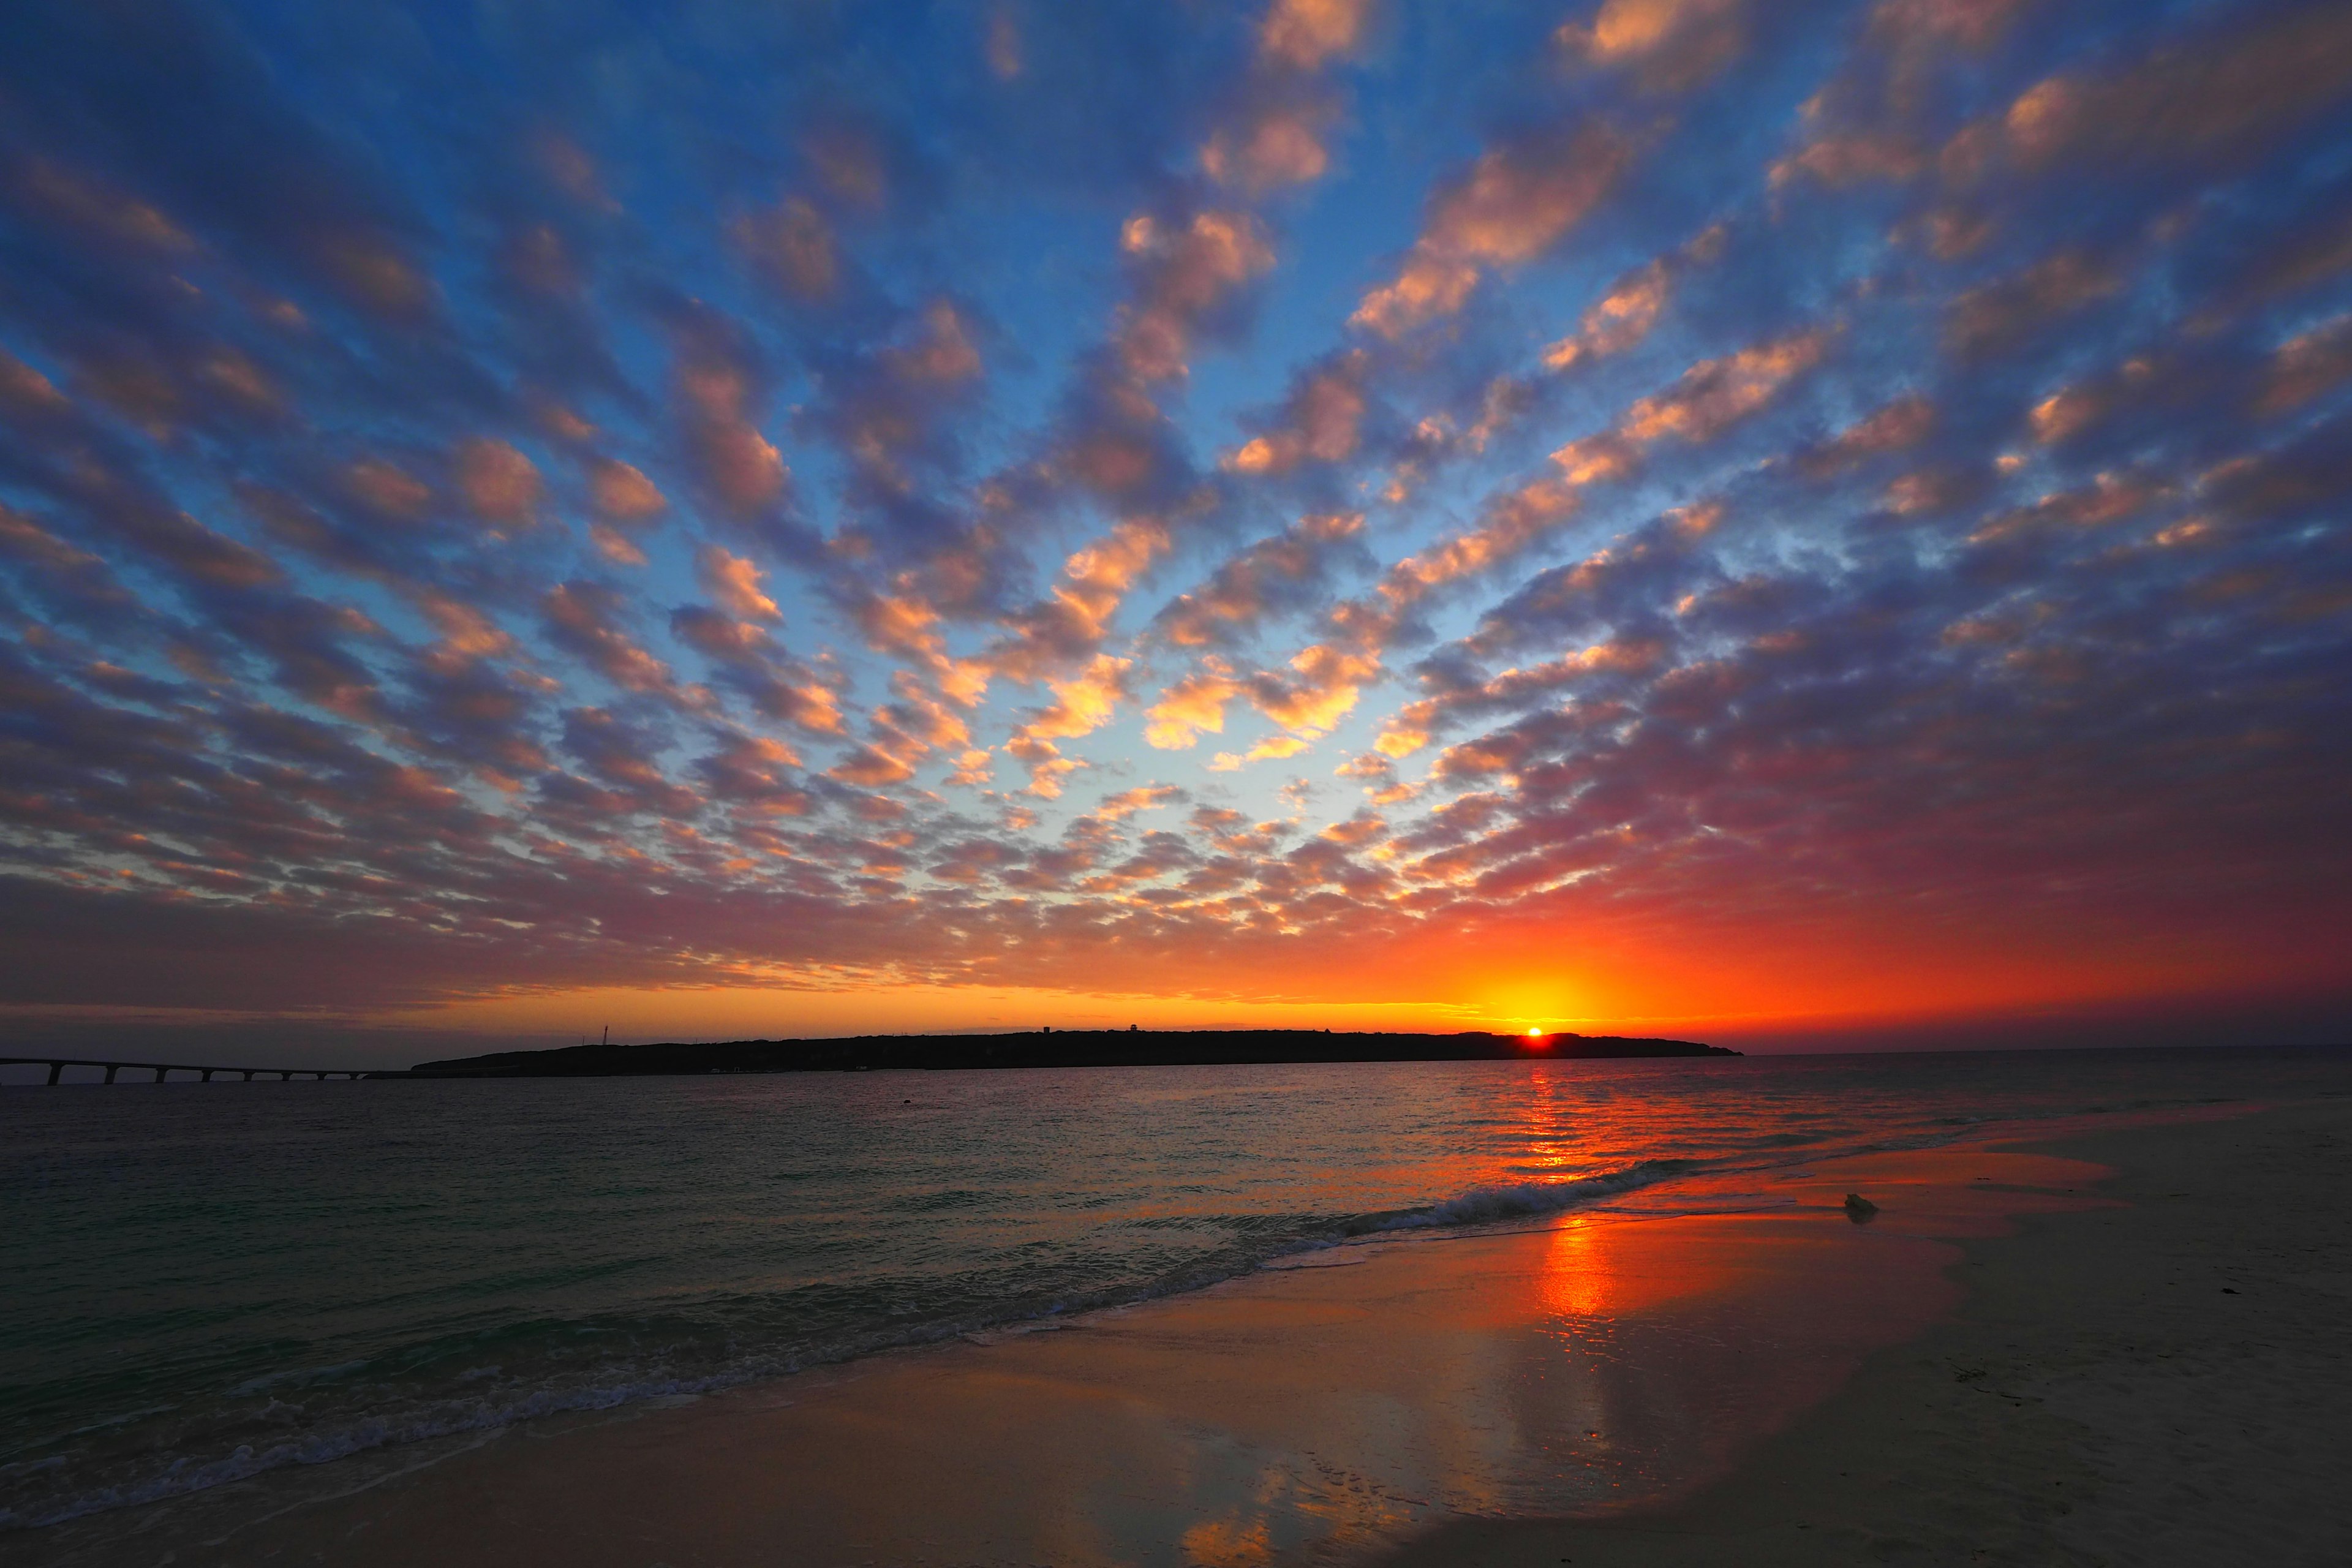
1535, 1034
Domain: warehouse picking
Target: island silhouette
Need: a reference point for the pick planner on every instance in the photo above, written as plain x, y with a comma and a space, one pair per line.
1047, 1048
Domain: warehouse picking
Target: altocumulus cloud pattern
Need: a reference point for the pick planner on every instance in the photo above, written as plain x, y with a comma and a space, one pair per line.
1748, 508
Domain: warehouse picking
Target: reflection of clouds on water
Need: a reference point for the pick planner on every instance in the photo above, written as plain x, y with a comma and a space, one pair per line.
1336, 1509
1223, 1543
1207, 1496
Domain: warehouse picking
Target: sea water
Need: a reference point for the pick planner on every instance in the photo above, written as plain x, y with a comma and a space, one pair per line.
201, 1284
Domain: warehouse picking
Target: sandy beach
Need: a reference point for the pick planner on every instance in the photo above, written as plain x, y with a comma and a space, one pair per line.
2116, 1346
2158, 1382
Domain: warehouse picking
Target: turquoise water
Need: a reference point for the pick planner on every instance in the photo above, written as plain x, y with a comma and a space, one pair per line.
208, 1282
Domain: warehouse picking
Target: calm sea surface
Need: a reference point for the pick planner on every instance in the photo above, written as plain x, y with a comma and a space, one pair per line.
199, 1283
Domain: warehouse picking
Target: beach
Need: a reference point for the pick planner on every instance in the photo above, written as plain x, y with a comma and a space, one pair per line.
2104, 1346
2158, 1382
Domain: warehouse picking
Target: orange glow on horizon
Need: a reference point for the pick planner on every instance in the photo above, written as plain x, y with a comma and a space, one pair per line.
1790, 985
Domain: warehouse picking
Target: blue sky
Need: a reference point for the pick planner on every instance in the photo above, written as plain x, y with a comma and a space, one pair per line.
826, 516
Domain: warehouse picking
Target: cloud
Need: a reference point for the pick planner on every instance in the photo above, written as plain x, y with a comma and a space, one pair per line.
1896, 427
466, 633
907, 627
1842, 159
1517, 201
1319, 691
110, 216
1510, 206
734, 581
1319, 422
793, 246
26, 391
1412, 727
1064, 629
622, 494
2211, 99
621, 755
2321, 251
1325, 681
1279, 139
583, 618
1305, 34
1274, 747
1428, 288
80, 581
499, 485
1713, 394
386, 490
1357, 831
1512, 521
2302, 478
2307, 366
371, 272
1082, 703
871, 766
1872, 120
1618, 320
972, 769
754, 774
1671, 46
942, 353
752, 665
1148, 797
1194, 705
1003, 48
720, 384
1048, 767
1288, 571
1188, 272
1997, 316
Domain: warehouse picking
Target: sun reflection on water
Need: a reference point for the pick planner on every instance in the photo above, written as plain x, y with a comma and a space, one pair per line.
1580, 1277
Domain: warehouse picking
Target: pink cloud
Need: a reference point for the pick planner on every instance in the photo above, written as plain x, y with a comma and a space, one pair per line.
1305, 34
1670, 46
1511, 205
734, 581
793, 246
497, 483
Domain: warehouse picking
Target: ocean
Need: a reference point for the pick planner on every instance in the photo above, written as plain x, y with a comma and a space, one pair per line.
208, 1283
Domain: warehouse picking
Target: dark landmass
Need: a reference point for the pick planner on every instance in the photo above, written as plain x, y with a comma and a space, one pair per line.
1054, 1048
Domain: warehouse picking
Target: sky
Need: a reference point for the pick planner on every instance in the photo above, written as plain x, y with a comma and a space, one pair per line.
1777, 524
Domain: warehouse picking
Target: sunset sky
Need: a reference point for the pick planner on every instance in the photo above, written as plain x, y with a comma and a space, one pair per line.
1755, 521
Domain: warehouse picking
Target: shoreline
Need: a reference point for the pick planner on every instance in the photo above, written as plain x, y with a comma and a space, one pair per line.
1348, 1403
1476, 1214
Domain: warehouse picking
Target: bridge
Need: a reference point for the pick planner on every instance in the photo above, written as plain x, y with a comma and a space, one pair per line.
57, 1065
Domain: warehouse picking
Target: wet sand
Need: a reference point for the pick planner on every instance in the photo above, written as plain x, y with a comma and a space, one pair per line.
2161, 1382
1775, 1385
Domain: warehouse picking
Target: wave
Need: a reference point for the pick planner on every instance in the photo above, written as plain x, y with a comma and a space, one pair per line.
1526, 1200
186, 1474
449, 1417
